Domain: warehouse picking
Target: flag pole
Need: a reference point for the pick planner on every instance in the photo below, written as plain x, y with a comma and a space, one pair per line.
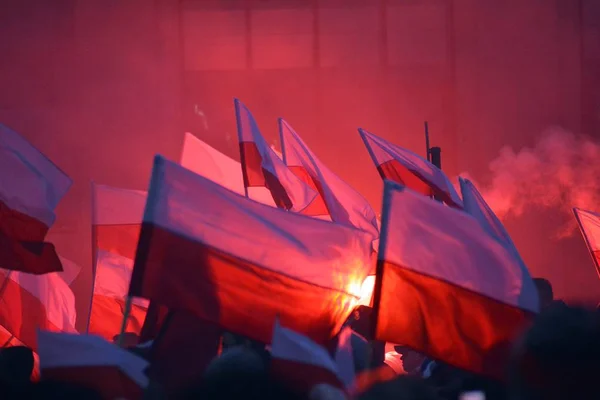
427, 149
389, 187
94, 251
126, 313
587, 242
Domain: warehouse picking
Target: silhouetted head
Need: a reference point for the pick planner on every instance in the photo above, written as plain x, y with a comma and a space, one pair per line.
16, 365
559, 357
545, 292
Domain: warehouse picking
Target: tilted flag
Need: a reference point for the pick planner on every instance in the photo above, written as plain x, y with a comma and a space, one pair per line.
205, 160
261, 167
338, 199
303, 364
409, 169
238, 263
31, 187
475, 205
31, 302
116, 220
589, 224
447, 289
90, 361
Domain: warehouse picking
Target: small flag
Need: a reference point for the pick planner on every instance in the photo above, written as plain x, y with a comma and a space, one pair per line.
589, 224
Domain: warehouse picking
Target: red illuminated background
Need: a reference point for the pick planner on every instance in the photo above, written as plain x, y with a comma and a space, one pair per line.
102, 85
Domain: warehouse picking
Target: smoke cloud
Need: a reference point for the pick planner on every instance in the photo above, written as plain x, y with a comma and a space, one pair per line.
560, 172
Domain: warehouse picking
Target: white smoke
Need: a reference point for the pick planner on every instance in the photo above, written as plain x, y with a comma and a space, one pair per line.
561, 171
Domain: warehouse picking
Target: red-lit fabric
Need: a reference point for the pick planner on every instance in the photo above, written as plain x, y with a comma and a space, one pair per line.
107, 317
108, 302
231, 292
109, 381
21, 244
317, 207
22, 313
475, 332
257, 176
396, 172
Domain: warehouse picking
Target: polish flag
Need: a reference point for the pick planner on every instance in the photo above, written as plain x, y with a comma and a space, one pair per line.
199, 157
262, 168
238, 263
448, 289
304, 364
31, 187
31, 302
589, 224
409, 169
90, 361
117, 215
475, 205
339, 200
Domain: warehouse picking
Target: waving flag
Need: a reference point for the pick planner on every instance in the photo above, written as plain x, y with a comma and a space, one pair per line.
238, 263
30, 302
409, 169
344, 204
448, 289
475, 205
589, 224
116, 219
204, 160
31, 187
261, 167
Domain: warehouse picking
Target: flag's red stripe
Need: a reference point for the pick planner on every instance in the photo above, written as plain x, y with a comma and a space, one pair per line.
395, 171
107, 317
256, 176
447, 322
22, 313
243, 298
118, 239
109, 381
318, 206
20, 226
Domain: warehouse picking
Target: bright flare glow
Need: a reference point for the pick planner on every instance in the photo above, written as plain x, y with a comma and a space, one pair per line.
366, 291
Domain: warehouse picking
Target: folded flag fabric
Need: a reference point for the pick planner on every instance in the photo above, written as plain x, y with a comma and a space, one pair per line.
31, 187
91, 361
261, 167
589, 224
339, 200
116, 221
448, 289
475, 205
409, 169
305, 364
208, 250
31, 302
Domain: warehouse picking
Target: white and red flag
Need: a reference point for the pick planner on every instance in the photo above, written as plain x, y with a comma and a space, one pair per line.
31, 187
447, 289
339, 200
409, 169
90, 361
262, 168
238, 263
116, 220
31, 302
475, 205
199, 157
304, 364
589, 224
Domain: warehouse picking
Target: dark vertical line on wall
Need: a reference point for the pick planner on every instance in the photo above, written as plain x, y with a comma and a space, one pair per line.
451, 92
582, 69
248, 17
318, 98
